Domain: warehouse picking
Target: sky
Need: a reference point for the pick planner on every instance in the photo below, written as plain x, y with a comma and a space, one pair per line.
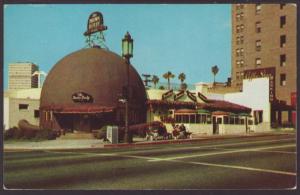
177, 38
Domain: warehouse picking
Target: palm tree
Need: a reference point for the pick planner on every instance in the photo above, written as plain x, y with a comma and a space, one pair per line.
168, 75
182, 77
184, 86
215, 71
155, 80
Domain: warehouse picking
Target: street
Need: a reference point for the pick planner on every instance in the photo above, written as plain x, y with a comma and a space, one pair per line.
267, 162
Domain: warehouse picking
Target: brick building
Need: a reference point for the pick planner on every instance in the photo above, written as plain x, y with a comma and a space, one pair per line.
264, 36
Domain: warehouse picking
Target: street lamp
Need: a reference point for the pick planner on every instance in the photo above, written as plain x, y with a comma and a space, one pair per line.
127, 53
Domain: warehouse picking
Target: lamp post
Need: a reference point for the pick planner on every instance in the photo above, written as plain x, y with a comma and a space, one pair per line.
127, 53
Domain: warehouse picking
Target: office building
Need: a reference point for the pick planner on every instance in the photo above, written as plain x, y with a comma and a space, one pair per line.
21, 76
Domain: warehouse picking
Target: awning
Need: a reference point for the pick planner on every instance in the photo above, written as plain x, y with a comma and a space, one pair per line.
185, 111
203, 111
244, 114
218, 113
80, 109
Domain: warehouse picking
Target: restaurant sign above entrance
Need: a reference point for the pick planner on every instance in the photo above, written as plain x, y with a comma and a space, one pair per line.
82, 97
264, 72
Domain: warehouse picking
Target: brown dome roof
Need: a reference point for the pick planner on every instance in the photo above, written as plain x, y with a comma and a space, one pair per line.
96, 72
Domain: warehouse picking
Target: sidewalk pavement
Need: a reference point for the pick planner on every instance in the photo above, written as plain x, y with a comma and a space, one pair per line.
60, 144
52, 144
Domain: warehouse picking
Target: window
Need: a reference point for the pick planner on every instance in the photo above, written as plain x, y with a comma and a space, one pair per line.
258, 116
226, 120
282, 60
238, 17
282, 40
258, 27
242, 63
258, 45
238, 40
237, 52
238, 28
257, 61
241, 15
282, 79
238, 63
242, 121
237, 75
23, 106
242, 52
242, 28
36, 114
192, 118
231, 120
258, 8
282, 21
241, 39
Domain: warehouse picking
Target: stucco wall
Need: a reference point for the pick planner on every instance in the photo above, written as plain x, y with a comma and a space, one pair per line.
205, 129
255, 95
231, 129
16, 114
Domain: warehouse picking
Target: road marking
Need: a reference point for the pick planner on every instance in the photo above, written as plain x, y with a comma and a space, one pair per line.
225, 152
276, 151
196, 163
210, 146
245, 143
243, 168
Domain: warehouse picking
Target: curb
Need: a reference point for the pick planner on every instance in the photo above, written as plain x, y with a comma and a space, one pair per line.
195, 140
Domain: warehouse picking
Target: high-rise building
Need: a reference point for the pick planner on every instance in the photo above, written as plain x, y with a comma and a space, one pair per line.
21, 76
264, 42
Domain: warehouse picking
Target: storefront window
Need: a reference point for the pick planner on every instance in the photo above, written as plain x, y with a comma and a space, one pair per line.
198, 118
231, 120
208, 119
226, 120
204, 119
192, 119
185, 119
236, 120
242, 121
178, 117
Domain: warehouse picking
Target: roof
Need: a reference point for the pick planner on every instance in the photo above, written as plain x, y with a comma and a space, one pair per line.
98, 73
211, 105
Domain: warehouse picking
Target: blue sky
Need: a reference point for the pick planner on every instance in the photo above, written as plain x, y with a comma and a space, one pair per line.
179, 38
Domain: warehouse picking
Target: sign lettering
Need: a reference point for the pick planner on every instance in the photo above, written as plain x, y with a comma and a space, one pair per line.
82, 97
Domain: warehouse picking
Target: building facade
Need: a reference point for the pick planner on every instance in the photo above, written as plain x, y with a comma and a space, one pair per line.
264, 36
199, 114
21, 76
19, 105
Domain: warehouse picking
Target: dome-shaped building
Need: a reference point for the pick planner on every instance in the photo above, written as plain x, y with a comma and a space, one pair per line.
83, 92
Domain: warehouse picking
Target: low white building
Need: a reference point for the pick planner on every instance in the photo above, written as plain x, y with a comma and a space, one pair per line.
21, 104
255, 95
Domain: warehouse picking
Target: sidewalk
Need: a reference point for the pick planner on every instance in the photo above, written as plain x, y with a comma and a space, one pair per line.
96, 143
53, 144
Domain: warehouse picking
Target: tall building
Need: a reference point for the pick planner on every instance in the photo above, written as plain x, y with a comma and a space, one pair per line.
264, 42
21, 76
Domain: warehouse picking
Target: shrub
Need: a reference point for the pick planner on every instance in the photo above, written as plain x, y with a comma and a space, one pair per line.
9, 134
45, 134
18, 133
29, 133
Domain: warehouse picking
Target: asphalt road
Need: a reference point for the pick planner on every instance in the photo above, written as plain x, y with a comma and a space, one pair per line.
244, 163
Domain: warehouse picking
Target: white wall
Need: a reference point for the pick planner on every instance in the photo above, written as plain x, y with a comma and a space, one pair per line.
255, 95
205, 129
